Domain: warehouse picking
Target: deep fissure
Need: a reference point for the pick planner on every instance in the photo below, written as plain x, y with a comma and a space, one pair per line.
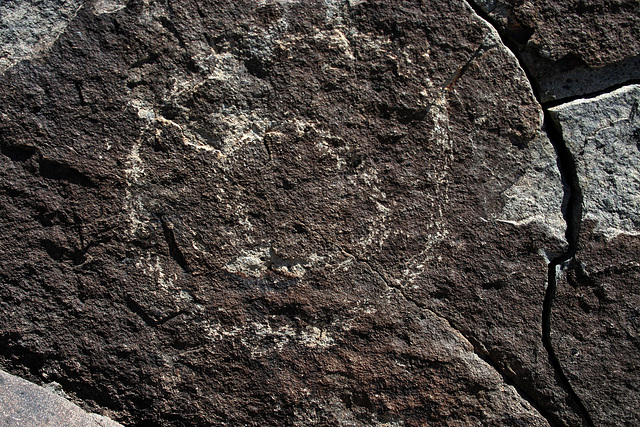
566, 99
572, 213
573, 218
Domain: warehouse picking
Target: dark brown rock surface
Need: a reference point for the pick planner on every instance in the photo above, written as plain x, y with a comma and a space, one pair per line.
597, 326
278, 213
573, 47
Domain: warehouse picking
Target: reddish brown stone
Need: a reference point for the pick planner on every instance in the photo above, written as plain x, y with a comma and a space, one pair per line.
267, 213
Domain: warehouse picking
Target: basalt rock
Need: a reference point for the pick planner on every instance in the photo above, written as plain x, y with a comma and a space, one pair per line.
572, 47
278, 213
597, 306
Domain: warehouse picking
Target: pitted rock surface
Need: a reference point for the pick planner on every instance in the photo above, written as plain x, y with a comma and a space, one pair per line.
279, 212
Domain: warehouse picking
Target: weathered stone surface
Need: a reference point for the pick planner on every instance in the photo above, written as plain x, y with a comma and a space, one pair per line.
596, 326
573, 48
603, 134
29, 28
25, 404
280, 212
596, 316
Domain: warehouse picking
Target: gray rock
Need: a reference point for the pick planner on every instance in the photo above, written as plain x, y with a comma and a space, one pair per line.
603, 134
536, 196
25, 404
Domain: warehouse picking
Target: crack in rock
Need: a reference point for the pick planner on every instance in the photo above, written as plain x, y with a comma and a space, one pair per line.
475, 346
566, 63
572, 211
491, 41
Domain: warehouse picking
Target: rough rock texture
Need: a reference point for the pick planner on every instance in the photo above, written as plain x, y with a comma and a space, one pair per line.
603, 134
573, 47
597, 316
279, 213
25, 404
29, 28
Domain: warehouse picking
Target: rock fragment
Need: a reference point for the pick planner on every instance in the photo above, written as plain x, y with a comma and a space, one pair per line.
572, 48
271, 212
25, 404
595, 322
603, 135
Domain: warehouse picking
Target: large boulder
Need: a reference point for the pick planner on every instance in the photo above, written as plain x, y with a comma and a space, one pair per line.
277, 212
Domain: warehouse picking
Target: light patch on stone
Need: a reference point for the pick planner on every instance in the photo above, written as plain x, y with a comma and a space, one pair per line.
537, 195
251, 263
262, 337
377, 231
217, 66
228, 129
440, 133
257, 262
146, 111
311, 336
135, 212
108, 6
166, 288
294, 270
28, 28
603, 135
235, 127
351, 319
240, 128
437, 228
132, 203
154, 269
337, 41
417, 264
264, 2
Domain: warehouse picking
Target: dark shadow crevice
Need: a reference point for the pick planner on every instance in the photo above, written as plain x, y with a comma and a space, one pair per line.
174, 249
572, 213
